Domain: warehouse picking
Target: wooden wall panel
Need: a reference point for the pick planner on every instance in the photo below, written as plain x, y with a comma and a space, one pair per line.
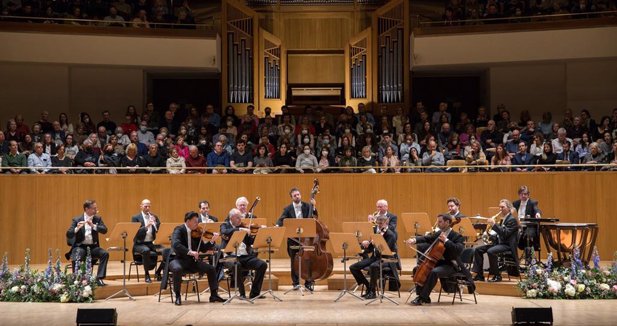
316, 69
318, 31
36, 210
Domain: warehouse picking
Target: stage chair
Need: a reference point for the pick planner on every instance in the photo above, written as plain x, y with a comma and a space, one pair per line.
507, 263
459, 279
138, 261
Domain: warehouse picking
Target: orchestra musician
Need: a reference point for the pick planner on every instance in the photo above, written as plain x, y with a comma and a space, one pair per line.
242, 205
454, 211
297, 209
450, 262
507, 240
372, 257
204, 213
528, 208
83, 234
187, 247
382, 209
247, 258
143, 240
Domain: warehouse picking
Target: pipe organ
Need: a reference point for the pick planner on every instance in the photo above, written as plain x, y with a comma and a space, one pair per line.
272, 71
239, 57
390, 56
358, 69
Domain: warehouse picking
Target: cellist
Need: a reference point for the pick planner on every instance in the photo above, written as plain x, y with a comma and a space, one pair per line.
448, 264
372, 257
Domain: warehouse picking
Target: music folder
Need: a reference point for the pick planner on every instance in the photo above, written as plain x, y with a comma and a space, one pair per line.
276, 234
340, 239
380, 243
163, 236
236, 240
361, 230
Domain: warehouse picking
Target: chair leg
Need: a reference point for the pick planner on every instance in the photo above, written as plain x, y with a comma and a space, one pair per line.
439, 297
137, 272
130, 269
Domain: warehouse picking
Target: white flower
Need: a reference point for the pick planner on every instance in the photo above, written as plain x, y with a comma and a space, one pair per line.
553, 286
532, 293
15, 289
580, 288
64, 297
76, 282
539, 271
604, 287
570, 290
36, 288
23, 287
566, 279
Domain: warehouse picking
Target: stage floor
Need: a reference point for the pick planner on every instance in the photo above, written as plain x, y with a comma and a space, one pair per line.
314, 309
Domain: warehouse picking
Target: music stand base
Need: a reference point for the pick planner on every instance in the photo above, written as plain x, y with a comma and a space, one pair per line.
381, 298
123, 291
411, 292
300, 288
263, 295
342, 294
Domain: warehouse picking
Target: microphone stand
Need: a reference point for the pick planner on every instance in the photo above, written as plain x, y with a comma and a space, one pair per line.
124, 290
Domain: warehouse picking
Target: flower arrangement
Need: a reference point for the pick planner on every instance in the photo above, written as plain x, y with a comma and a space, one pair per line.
574, 282
52, 285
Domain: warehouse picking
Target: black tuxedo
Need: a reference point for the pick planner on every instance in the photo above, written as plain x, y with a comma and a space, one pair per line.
448, 265
246, 262
146, 249
213, 218
79, 250
392, 222
290, 212
372, 259
183, 263
507, 234
531, 231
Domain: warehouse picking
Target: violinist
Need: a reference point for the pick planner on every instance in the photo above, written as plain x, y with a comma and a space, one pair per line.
187, 241
297, 209
372, 257
507, 235
448, 264
204, 213
247, 258
382, 209
143, 241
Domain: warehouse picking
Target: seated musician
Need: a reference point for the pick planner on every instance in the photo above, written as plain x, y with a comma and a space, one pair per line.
449, 264
454, 211
297, 209
143, 241
382, 209
506, 240
528, 208
247, 258
204, 213
373, 256
187, 260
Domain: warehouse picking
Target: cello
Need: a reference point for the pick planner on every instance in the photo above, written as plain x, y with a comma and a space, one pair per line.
316, 264
432, 255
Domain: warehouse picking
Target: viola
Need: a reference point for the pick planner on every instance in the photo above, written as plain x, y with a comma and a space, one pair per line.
316, 264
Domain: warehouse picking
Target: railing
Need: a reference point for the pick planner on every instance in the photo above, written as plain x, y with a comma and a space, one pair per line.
422, 20
610, 167
210, 25
259, 3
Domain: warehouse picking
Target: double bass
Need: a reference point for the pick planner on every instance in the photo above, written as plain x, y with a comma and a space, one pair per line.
431, 256
316, 264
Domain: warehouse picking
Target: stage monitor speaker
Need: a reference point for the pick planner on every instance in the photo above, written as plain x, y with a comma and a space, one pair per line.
532, 316
98, 317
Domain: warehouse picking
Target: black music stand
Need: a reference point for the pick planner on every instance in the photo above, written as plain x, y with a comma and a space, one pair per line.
380, 243
296, 229
341, 242
123, 230
232, 246
267, 238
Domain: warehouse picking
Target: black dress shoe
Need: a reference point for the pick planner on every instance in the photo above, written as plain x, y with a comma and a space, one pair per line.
147, 279
100, 282
496, 278
158, 277
370, 295
216, 298
310, 286
479, 277
178, 300
257, 296
417, 301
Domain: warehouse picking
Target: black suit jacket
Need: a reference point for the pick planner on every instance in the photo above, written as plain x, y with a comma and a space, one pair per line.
227, 230
290, 212
507, 231
180, 244
75, 239
392, 221
141, 233
531, 209
214, 218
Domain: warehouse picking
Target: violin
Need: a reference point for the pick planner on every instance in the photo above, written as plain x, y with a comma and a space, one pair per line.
201, 232
253, 227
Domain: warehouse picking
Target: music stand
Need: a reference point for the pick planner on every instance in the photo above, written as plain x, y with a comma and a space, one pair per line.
213, 227
416, 223
361, 230
466, 229
296, 229
341, 242
163, 236
232, 246
380, 243
122, 231
266, 239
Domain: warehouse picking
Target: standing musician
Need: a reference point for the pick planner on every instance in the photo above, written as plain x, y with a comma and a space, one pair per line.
247, 258
527, 207
297, 209
204, 213
187, 242
143, 240
450, 262
84, 233
382, 209
507, 239
372, 260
